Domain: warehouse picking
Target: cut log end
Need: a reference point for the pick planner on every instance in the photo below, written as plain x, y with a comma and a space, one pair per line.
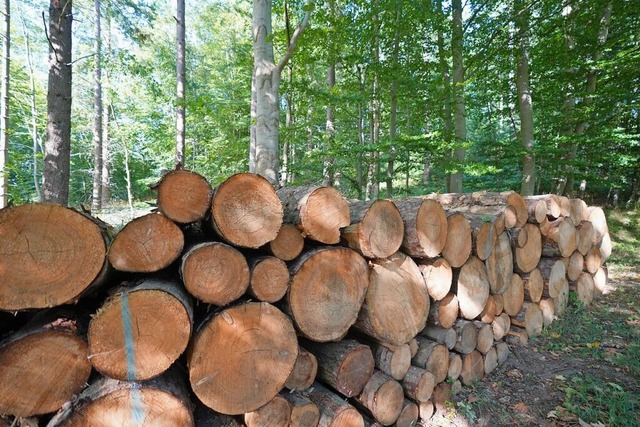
269, 279
458, 246
472, 288
288, 244
377, 232
184, 196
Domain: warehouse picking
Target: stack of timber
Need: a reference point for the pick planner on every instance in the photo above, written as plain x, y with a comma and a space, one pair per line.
241, 305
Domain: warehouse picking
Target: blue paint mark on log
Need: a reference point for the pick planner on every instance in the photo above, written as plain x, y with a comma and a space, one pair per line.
137, 406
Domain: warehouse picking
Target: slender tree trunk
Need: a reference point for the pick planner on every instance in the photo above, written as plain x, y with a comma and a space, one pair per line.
329, 167
287, 146
522, 15
373, 187
57, 165
180, 83
394, 105
360, 165
96, 203
455, 179
106, 154
4, 108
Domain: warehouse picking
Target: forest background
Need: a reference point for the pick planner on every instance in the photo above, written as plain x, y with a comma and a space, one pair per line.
380, 98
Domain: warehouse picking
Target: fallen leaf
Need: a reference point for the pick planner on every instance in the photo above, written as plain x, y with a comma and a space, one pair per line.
594, 344
472, 399
560, 378
514, 373
521, 407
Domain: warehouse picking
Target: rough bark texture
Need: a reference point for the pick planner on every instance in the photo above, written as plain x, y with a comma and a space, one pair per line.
392, 360
334, 410
180, 82
445, 312
304, 371
184, 196
418, 384
304, 413
383, 396
446, 336
376, 229
433, 357
4, 104
467, 336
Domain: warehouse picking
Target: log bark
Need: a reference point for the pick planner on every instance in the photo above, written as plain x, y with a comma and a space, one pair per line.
392, 360
318, 212
418, 384
433, 357
288, 243
304, 413
530, 318
501, 325
246, 211
127, 338
472, 368
499, 265
241, 357
326, 292
467, 336
269, 278
147, 244
425, 227
514, 296
163, 401
408, 415
383, 397
574, 265
304, 371
444, 313
50, 256
537, 210
457, 248
376, 229
561, 240
184, 196
486, 200
533, 285
275, 413
345, 365
455, 366
43, 364
552, 202
484, 235
472, 288
446, 336
397, 304
527, 257
215, 273
438, 275
334, 410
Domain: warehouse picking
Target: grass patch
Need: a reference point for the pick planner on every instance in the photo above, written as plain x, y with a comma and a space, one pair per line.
624, 227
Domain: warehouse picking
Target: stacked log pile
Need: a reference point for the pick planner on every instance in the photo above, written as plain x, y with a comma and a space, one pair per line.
241, 305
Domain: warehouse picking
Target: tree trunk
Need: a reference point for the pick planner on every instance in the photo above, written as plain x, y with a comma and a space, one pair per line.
180, 83
43, 364
184, 196
443, 60
50, 256
246, 211
304, 371
425, 227
55, 184
460, 115
319, 212
255, 351
383, 397
393, 114
329, 166
376, 229
326, 291
275, 413
269, 278
304, 413
4, 104
288, 243
148, 243
334, 410
106, 146
127, 338
96, 199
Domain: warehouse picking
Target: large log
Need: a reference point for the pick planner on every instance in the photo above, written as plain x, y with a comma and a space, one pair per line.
304, 413
43, 364
215, 273
554, 275
444, 312
472, 288
533, 285
288, 243
472, 368
383, 397
275, 413
269, 278
561, 240
467, 336
457, 249
397, 304
318, 212
584, 236
304, 371
425, 227
418, 384
376, 229
246, 211
552, 202
50, 256
241, 357
437, 274
345, 365
598, 219
499, 265
334, 410
446, 336
184, 196
514, 296
147, 244
433, 357
409, 414
128, 340
326, 291
162, 401
527, 257
392, 360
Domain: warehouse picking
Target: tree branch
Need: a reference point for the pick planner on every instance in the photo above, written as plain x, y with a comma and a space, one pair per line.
294, 38
46, 33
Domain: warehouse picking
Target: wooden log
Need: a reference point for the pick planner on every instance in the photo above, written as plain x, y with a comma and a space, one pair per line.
413, 346
501, 325
269, 278
499, 265
467, 336
578, 211
418, 384
446, 336
489, 312
552, 202
425, 227
584, 237
472, 368
472, 288
600, 281
533, 285
392, 360
444, 312
457, 248
288, 243
408, 415
397, 304
326, 291
206, 417
514, 296
502, 349
318, 212
304, 371
548, 311
565, 206
593, 260
561, 239
554, 275
562, 299
345, 365
519, 334
537, 209
304, 413
161, 401
530, 318
376, 229
127, 338
426, 410
606, 247
215, 273
598, 219
241, 357
50, 256
486, 199
510, 217
498, 300
334, 410
438, 275
184, 196
574, 265
483, 234
545, 227
433, 357
585, 287
246, 211
455, 366
484, 341
518, 237
43, 364
275, 413
490, 360
383, 397
527, 257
